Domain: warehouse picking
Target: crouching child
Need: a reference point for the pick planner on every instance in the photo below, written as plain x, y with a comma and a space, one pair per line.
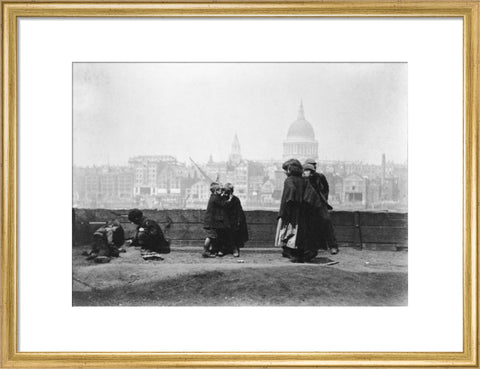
148, 236
107, 242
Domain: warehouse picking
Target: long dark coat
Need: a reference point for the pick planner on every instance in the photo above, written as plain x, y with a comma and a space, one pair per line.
292, 209
216, 215
320, 184
317, 209
315, 213
149, 236
238, 222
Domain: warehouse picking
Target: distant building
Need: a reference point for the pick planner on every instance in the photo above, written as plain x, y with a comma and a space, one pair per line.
147, 170
159, 180
266, 192
256, 178
198, 195
355, 189
238, 176
335, 184
235, 155
300, 143
125, 181
235, 171
373, 193
102, 187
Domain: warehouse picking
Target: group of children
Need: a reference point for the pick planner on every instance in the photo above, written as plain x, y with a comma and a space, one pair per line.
225, 223
108, 240
225, 226
304, 223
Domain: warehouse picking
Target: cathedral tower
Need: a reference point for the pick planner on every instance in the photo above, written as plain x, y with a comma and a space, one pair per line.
235, 155
300, 143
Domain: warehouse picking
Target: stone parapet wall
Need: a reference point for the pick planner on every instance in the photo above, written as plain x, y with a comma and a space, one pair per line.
370, 230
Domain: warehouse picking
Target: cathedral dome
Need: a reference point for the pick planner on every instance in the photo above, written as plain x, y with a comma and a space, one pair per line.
300, 143
301, 129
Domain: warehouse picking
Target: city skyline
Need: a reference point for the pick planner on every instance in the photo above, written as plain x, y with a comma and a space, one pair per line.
163, 182
189, 163
358, 111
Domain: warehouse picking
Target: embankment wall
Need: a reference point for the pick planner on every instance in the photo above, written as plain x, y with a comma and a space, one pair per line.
368, 230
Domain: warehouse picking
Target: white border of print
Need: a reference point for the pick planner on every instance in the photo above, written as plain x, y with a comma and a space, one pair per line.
433, 319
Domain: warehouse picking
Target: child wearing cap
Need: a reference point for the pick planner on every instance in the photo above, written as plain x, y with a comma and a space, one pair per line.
216, 222
320, 220
238, 234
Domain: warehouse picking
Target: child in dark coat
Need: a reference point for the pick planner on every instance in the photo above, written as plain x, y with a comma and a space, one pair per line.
148, 236
216, 222
238, 221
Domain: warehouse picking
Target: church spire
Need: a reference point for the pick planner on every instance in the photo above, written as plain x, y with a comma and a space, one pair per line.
301, 114
235, 155
236, 145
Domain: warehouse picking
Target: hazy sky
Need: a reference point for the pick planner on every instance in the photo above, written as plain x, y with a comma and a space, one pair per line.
358, 110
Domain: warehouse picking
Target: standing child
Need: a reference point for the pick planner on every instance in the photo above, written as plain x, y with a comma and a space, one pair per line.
216, 222
238, 221
291, 216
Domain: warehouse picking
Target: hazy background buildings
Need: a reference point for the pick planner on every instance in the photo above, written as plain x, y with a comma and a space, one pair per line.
156, 135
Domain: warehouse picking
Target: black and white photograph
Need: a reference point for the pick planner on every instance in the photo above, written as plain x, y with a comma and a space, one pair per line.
240, 184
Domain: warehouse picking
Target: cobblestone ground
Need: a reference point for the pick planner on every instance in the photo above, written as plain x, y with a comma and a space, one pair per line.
258, 277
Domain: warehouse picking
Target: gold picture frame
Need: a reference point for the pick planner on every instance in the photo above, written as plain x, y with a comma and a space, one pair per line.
467, 10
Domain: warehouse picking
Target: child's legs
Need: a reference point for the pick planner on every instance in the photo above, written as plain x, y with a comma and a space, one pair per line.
230, 246
223, 241
210, 240
211, 245
208, 243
